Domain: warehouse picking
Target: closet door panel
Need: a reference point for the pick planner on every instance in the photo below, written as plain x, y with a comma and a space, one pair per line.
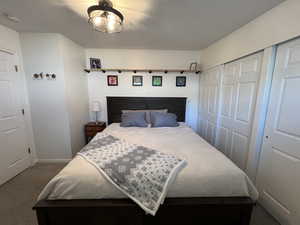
239, 149
227, 105
279, 168
238, 98
210, 84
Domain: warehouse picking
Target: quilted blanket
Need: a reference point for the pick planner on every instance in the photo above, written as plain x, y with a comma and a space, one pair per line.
141, 173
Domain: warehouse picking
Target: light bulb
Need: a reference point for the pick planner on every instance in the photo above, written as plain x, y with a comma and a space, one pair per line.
97, 20
111, 25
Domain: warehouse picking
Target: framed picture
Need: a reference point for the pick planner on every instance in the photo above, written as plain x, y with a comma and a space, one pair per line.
157, 81
193, 66
180, 81
95, 63
137, 80
112, 80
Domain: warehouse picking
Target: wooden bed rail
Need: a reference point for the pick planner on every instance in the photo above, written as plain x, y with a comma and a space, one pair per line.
174, 211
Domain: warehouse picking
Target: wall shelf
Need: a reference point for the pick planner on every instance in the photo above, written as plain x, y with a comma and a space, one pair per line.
143, 70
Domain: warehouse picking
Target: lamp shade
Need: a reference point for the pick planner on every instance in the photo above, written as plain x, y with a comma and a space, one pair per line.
96, 106
105, 18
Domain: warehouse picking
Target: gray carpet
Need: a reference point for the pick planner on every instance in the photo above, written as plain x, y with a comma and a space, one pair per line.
19, 195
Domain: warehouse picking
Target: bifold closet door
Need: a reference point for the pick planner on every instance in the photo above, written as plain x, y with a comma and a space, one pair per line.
279, 168
237, 102
208, 107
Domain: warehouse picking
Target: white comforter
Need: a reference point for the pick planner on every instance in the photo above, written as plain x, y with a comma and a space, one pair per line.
208, 172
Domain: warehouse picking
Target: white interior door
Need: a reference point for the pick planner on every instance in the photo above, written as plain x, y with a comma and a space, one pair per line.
279, 169
237, 103
14, 156
209, 97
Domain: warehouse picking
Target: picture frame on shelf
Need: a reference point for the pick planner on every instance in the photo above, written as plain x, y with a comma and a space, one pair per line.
112, 80
193, 66
95, 63
157, 81
181, 81
137, 80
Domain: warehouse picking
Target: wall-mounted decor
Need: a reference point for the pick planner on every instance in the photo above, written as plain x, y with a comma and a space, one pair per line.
193, 66
112, 80
95, 63
157, 81
41, 76
137, 80
180, 81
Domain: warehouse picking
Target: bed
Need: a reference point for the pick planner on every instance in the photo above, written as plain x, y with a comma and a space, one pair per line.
210, 190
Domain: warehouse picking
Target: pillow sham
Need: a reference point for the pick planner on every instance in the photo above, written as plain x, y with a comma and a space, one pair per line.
147, 111
159, 119
133, 119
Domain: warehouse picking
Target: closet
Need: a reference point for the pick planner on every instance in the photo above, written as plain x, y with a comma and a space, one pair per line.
227, 101
278, 178
231, 95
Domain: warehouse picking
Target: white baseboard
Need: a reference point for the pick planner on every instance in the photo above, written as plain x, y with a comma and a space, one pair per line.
53, 160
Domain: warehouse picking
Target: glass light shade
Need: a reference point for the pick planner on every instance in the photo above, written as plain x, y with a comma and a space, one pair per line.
106, 19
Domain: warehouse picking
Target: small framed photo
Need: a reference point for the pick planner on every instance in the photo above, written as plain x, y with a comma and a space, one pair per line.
137, 80
180, 81
95, 63
193, 66
112, 80
157, 81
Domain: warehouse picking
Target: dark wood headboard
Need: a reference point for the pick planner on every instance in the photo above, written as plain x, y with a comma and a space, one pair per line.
115, 105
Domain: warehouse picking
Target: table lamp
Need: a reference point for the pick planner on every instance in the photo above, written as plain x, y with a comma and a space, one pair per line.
96, 108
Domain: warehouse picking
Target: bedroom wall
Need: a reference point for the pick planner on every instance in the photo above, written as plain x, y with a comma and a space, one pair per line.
57, 118
10, 40
141, 59
47, 98
275, 26
76, 91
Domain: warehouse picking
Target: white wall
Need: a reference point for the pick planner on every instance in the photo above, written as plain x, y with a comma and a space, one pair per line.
275, 26
144, 59
48, 106
10, 41
76, 91
59, 107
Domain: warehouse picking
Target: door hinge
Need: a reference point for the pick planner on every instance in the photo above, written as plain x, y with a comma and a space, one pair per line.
29, 151
16, 68
23, 111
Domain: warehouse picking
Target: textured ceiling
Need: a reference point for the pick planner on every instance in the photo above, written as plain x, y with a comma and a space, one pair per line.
149, 24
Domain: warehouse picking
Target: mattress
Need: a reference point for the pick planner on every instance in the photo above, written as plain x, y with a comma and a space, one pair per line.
208, 173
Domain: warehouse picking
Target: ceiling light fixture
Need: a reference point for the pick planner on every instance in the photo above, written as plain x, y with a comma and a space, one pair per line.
105, 18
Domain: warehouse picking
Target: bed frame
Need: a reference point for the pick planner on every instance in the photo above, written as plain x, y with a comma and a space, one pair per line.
174, 211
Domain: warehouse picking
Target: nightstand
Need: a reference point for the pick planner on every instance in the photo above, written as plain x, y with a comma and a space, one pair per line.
91, 129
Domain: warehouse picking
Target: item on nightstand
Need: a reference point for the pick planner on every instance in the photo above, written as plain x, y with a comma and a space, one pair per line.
91, 129
96, 108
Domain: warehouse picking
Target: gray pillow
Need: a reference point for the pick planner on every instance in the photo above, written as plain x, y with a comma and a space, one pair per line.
134, 119
147, 111
159, 119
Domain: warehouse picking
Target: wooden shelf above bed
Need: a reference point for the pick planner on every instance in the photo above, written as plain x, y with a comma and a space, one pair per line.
143, 70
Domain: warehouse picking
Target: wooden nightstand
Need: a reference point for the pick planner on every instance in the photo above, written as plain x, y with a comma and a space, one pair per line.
91, 129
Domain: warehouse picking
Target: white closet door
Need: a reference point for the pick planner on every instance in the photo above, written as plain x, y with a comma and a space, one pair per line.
14, 157
209, 97
237, 103
279, 170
